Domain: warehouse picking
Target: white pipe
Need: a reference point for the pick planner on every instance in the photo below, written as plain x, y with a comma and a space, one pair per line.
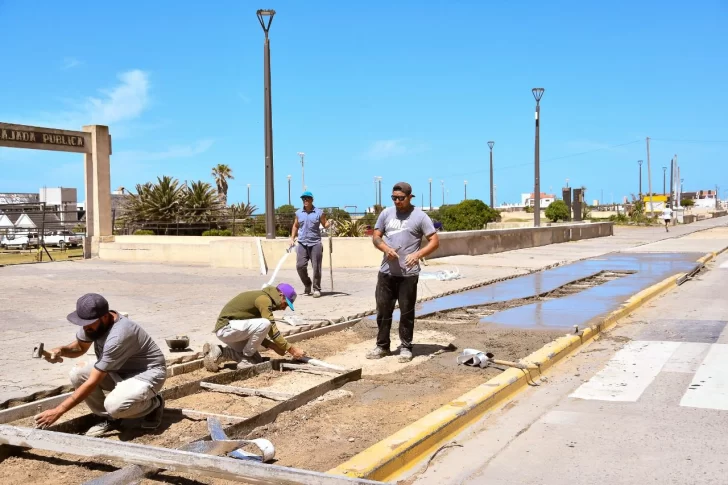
263, 269
278, 267
321, 363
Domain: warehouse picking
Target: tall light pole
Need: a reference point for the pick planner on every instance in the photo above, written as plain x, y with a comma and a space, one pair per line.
270, 221
495, 194
376, 192
492, 197
289, 190
639, 162
303, 174
379, 190
664, 180
248, 194
465, 184
430, 180
537, 94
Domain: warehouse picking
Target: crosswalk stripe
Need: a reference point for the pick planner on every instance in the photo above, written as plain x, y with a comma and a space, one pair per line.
628, 373
709, 388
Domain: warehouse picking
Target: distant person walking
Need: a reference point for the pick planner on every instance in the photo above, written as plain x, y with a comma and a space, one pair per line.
398, 234
667, 217
307, 228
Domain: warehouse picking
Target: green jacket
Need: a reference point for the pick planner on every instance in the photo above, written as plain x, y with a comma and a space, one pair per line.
255, 304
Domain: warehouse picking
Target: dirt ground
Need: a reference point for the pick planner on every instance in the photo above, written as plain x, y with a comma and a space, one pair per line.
331, 429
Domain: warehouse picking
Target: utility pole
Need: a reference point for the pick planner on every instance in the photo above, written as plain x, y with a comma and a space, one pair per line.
465, 184
537, 94
289, 190
248, 194
492, 197
303, 173
430, 180
672, 183
649, 175
379, 179
639, 162
664, 175
270, 216
376, 192
495, 194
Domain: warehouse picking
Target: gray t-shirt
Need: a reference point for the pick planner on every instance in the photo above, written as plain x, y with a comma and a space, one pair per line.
403, 232
129, 351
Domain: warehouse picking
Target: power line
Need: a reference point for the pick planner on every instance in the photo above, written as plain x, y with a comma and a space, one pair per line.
688, 141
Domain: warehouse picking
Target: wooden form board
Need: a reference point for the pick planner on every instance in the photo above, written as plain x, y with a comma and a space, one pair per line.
175, 460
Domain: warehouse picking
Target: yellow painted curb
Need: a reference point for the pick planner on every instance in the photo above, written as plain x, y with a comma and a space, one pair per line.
405, 449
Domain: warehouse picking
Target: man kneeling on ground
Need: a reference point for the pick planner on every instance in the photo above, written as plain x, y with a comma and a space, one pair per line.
130, 367
245, 322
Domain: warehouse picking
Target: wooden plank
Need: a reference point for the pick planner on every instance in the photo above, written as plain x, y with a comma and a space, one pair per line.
31, 409
321, 331
246, 391
174, 460
309, 369
37, 138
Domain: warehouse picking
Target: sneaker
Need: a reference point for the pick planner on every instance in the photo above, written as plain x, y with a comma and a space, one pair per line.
212, 357
103, 427
377, 353
307, 291
154, 419
256, 358
405, 355
316, 294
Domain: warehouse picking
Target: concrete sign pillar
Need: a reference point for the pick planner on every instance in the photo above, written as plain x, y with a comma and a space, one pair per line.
95, 143
566, 194
578, 202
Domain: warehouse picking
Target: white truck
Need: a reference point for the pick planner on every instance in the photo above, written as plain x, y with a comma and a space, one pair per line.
22, 241
62, 238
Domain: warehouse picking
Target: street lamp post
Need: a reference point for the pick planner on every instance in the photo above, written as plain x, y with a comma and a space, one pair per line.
465, 184
664, 180
376, 192
639, 162
492, 197
303, 174
430, 180
378, 187
537, 94
248, 194
289, 190
270, 221
495, 194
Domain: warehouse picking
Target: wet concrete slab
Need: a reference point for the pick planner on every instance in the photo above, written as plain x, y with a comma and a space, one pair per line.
584, 307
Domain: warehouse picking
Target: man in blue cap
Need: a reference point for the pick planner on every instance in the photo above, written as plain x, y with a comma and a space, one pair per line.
246, 323
307, 227
124, 382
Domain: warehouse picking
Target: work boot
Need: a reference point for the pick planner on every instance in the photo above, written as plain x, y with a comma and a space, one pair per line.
316, 294
377, 353
405, 355
103, 427
154, 419
245, 362
212, 357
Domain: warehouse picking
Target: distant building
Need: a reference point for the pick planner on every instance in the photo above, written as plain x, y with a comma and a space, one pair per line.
51, 209
528, 200
702, 198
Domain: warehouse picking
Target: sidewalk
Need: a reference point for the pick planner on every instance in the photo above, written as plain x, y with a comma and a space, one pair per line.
170, 300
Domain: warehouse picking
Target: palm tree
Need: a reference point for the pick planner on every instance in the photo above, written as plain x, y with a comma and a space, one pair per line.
200, 201
222, 174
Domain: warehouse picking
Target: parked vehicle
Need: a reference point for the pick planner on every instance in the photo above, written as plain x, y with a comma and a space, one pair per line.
22, 241
62, 238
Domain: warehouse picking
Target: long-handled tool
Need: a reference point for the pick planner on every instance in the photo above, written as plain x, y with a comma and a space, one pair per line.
331, 250
39, 352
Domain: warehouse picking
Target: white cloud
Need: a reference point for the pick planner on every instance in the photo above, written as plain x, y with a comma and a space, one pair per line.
180, 151
70, 63
382, 149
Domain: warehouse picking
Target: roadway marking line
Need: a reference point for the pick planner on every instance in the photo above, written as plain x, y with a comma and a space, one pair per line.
709, 389
628, 373
687, 358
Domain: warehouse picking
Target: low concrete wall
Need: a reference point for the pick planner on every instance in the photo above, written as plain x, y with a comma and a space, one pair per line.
689, 218
496, 241
719, 213
243, 252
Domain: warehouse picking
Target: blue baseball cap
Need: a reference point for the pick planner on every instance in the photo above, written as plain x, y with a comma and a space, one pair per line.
307, 194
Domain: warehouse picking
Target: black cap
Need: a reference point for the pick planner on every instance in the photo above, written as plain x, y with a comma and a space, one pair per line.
403, 187
89, 308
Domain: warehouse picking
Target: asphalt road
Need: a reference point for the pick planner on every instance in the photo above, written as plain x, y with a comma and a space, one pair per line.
646, 403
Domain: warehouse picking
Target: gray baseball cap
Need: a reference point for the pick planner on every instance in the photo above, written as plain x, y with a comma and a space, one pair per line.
89, 308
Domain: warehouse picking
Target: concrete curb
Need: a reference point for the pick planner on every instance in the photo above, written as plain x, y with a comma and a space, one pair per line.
390, 458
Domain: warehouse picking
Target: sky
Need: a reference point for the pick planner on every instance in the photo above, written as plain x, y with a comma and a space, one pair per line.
405, 90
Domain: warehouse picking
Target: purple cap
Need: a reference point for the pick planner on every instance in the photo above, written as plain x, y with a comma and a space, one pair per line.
289, 293
89, 308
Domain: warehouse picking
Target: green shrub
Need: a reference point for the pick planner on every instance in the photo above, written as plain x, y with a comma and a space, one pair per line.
529, 209
143, 232
218, 232
468, 215
557, 211
620, 218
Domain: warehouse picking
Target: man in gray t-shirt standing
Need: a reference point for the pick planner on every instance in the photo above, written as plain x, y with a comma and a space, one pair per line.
129, 366
398, 234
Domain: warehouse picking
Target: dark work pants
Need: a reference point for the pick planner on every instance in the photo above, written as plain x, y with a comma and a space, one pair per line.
315, 254
391, 289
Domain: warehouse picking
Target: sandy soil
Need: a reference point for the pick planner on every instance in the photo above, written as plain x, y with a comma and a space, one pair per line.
331, 429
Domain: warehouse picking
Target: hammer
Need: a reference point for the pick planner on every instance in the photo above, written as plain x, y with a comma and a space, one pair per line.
39, 352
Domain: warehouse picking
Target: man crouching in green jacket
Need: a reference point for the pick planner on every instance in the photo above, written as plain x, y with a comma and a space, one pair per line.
246, 323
